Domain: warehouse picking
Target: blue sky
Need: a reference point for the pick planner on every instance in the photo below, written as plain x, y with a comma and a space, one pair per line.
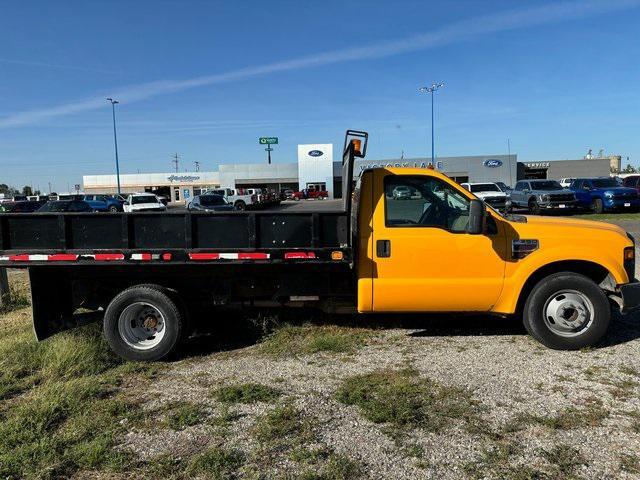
207, 78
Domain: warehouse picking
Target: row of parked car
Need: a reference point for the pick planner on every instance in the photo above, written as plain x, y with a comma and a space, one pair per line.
222, 199
539, 195
85, 203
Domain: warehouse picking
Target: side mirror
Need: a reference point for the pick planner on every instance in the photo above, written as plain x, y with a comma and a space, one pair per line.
127, 203
477, 212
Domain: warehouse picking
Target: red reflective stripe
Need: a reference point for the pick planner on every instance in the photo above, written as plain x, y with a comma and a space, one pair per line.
292, 255
253, 256
62, 257
204, 256
19, 258
141, 256
109, 256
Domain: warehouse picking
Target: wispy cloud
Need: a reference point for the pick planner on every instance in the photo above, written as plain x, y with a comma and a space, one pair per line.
448, 34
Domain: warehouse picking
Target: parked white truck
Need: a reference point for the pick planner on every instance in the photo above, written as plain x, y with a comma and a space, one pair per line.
491, 194
241, 200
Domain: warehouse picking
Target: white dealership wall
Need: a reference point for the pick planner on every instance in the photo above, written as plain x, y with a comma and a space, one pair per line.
315, 165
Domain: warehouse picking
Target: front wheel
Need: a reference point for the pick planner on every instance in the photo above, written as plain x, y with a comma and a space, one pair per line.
534, 208
597, 206
143, 323
567, 311
113, 209
240, 206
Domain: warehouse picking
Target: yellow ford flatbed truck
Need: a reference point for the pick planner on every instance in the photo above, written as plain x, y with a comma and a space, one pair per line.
407, 240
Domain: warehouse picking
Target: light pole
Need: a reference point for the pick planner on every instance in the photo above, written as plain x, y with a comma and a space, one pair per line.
431, 89
115, 139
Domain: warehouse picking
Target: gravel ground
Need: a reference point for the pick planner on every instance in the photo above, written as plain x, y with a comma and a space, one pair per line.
507, 372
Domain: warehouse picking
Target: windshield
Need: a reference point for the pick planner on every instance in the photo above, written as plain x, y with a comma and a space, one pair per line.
54, 207
546, 185
604, 183
143, 199
212, 200
485, 187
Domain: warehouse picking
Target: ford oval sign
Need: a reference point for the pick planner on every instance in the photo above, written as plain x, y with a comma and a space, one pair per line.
315, 153
493, 163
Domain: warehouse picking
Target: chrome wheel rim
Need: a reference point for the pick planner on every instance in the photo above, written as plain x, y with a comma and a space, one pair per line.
141, 326
568, 313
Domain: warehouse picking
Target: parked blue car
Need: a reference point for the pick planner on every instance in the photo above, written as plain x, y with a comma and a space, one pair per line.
600, 194
103, 203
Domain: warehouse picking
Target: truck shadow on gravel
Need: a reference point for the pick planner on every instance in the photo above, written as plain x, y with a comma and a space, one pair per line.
245, 329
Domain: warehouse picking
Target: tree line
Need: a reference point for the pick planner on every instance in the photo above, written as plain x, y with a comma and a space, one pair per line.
9, 191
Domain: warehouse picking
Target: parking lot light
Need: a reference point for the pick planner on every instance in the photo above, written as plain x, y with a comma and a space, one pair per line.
431, 89
115, 139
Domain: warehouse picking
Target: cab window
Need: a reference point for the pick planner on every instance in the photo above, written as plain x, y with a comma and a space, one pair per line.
422, 201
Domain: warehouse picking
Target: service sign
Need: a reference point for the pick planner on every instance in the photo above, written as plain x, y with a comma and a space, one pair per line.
268, 140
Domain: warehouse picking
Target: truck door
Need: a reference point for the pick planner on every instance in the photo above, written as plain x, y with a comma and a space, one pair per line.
582, 195
423, 259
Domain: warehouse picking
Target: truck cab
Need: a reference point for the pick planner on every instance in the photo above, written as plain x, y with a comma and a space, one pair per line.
426, 254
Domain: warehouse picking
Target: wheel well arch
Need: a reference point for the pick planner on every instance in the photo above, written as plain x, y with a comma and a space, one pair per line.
592, 270
532, 198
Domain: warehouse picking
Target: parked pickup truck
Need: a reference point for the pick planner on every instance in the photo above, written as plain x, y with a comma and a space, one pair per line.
491, 194
600, 194
153, 276
311, 194
540, 195
239, 199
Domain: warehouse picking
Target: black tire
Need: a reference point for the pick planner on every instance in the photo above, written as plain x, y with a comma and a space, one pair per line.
597, 206
240, 206
554, 286
114, 209
534, 208
160, 299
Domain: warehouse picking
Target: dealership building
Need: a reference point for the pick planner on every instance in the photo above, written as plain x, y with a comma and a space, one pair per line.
316, 167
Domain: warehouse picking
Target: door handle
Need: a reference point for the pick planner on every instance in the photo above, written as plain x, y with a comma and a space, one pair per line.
383, 248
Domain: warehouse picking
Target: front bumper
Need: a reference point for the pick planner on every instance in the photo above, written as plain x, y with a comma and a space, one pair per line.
559, 205
615, 203
630, 293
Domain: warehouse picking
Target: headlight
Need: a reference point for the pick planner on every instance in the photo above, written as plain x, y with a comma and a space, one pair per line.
608, 194
507, 201
544, 198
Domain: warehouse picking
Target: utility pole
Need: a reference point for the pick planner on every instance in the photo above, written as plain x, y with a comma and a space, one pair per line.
176, 160
49, 188
431, 89
197, 164
115, 139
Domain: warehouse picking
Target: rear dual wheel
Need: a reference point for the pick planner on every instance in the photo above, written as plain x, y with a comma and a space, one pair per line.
567, 311
144, 323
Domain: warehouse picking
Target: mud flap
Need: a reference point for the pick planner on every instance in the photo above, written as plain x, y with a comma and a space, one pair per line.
51, 300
